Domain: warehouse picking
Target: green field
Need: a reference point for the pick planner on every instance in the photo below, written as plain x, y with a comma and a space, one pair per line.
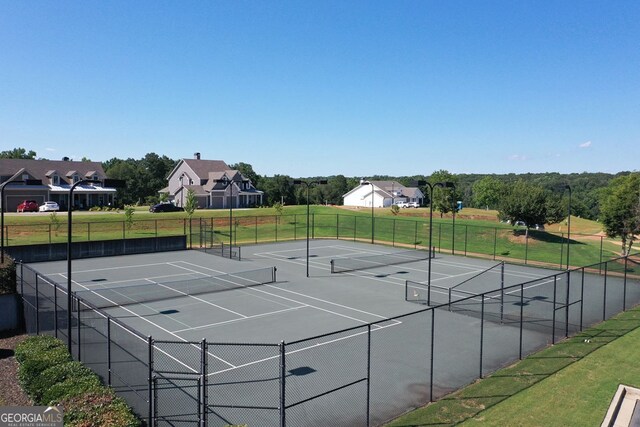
568, 384
474, 233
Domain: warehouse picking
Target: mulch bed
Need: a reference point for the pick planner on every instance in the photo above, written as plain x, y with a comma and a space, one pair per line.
11, 394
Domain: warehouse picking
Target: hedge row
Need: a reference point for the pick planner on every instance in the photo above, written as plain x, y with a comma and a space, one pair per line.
50, 377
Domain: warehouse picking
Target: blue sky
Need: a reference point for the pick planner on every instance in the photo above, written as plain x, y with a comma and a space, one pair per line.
301, 88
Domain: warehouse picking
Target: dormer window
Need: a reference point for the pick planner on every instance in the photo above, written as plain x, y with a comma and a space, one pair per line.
25, 177
76, 178
55, 180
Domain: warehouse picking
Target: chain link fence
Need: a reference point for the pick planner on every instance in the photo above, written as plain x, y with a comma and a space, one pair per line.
361, 376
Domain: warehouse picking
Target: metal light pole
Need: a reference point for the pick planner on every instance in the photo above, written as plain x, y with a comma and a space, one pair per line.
308, 184
567, 187
431, 186
372, 217
114, 183
12, 179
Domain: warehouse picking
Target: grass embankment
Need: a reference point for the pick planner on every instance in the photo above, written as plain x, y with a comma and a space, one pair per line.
569, 384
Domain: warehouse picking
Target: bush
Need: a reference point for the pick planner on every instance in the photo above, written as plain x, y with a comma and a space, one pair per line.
97, 408
70, 387
57, 374
36, 363
7, 276
35, 345
48, 375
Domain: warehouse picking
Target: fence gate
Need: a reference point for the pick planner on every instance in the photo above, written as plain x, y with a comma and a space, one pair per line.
179, 383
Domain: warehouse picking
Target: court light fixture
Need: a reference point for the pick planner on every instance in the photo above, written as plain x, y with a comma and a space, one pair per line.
11, 180
308, 184
109, 183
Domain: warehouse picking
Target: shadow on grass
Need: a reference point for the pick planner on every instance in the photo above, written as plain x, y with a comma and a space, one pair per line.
475, 398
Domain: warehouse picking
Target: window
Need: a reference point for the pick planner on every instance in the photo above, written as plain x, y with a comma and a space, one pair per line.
55, 180
76, 178
25, 177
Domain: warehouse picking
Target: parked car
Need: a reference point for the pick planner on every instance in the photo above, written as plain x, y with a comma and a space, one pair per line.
28, 206
49, 207
412, 205
520, 224
165, 207
401, 204
540, 227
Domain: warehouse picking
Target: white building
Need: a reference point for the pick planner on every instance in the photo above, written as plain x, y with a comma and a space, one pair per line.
382, 194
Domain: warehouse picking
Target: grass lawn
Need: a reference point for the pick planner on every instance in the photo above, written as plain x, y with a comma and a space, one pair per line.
569, 384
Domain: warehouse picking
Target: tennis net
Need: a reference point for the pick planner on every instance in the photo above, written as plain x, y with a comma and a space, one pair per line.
163, 290
339, 265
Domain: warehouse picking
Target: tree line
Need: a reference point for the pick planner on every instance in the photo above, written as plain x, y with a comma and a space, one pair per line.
538, 198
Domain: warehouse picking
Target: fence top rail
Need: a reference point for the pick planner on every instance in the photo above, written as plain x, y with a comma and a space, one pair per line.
90, 306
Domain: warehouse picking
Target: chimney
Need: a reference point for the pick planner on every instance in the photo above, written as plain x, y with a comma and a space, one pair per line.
196, 156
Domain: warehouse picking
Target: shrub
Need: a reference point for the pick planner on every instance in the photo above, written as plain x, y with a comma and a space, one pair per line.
70, 387
48, 375
33, 366
57, 374
7, 276
97, 408
35, 345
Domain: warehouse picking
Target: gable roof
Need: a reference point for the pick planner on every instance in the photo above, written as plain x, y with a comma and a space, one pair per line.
43, 169
202, 167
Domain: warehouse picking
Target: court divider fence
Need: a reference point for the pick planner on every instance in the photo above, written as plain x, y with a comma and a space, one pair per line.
362, 376
497, 243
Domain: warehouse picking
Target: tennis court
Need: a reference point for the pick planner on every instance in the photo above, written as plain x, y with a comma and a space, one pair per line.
344, 335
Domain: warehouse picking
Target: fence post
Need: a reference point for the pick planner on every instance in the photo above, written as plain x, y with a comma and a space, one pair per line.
276, 221
49, 233
368, 373
466, 229
283, 371
109, 351
501, 291
495, 242
581, 299
393, 234
150, 344
38, 308
562, 250
415, 236
521, 318
89, 231
624, 284
481, 330
433, 327
55, 309
204, 372
566, 314
553, 321
313, 225
337, 226
79, 328
604, 298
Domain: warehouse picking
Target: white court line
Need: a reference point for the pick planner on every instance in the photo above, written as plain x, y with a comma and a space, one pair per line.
239, 320
314, 298
180, 293
244, 365
165, 330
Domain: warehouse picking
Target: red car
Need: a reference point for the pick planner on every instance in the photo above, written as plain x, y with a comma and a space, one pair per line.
28, 206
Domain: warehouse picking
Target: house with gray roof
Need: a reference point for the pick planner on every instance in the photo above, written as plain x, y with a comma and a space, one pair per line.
55, 180
214, 183
382, 194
